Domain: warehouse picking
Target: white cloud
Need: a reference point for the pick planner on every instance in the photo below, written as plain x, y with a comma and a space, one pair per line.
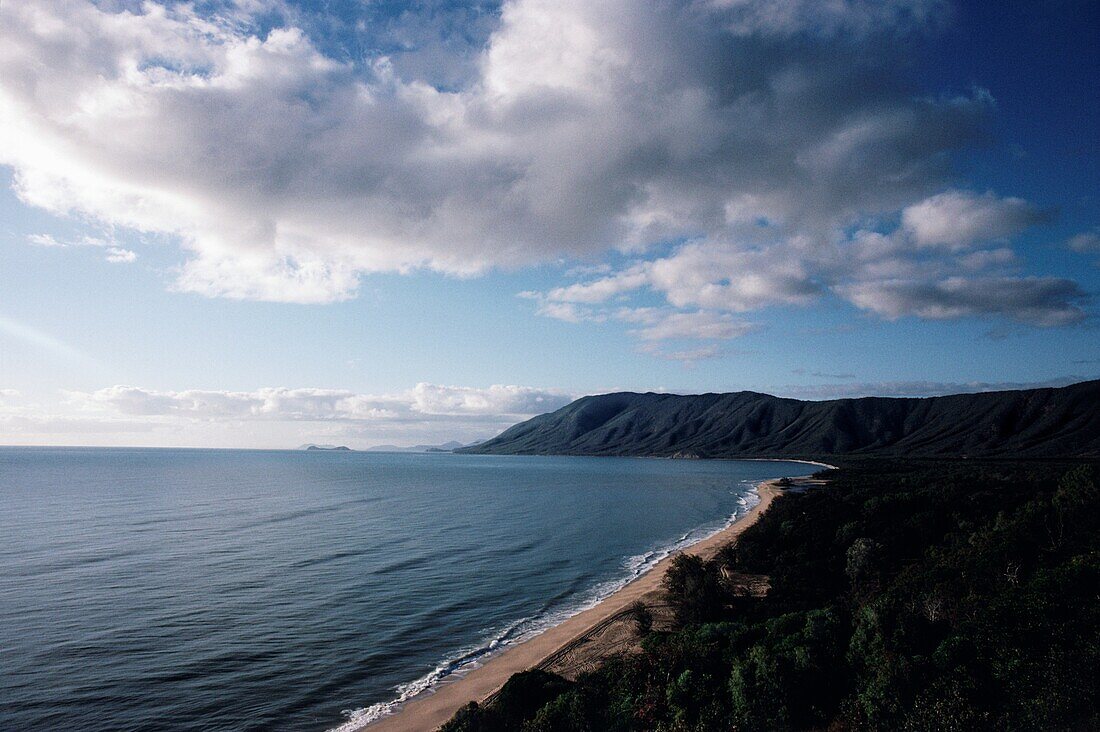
118, 255
45, 240
273, 417
569, 312
722, 276
938, 263
580, 126
959, 219
603, 289
114, 254
660, 324
495, 401
423, 402
708, 274
757, 135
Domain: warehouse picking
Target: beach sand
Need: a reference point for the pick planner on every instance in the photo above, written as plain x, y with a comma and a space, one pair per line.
579, 642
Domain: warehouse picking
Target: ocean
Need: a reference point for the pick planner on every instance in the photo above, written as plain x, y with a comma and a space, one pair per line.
147, 589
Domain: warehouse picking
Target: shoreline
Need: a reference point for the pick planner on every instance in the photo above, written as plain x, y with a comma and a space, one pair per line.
430, 709
818, 463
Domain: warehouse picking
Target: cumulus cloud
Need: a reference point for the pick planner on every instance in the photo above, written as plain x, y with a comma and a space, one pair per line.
716, 275
743, 154
959, 219
944, 259
287, 172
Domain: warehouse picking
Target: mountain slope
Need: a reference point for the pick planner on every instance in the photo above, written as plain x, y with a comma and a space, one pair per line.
1033, 423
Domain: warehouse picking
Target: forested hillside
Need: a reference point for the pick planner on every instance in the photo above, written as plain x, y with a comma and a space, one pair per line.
904, 596
1062, 422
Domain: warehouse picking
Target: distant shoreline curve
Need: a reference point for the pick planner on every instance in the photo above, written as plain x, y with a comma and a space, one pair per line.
430, 709
818, 463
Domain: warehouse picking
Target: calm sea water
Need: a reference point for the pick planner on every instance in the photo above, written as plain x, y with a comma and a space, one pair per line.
244, 590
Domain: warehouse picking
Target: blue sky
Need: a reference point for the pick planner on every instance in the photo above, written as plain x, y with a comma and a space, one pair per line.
260, 224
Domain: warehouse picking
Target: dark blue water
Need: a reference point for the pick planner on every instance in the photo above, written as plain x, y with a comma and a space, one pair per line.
241, 590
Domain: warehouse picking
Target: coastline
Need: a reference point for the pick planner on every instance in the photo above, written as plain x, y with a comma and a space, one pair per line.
429, 710
816, 463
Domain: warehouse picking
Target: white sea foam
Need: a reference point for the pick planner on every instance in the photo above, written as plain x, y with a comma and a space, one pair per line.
466, 660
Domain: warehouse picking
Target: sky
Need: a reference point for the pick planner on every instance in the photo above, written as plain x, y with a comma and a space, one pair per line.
263, 223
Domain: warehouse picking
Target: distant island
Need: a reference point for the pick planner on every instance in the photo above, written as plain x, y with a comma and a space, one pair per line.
328, 448
1033, 423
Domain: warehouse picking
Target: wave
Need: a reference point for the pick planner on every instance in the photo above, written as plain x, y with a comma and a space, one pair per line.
466, 660
463, 662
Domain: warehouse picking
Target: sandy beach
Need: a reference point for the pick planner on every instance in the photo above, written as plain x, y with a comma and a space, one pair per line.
430, 710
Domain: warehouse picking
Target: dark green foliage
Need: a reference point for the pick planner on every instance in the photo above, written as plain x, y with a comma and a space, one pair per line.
642, 617
516, 702
797, 651
905, 596
1032, 423
570, 712
470, 718
694, 589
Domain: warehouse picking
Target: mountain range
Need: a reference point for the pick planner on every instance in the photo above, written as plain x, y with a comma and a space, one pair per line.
1033, 423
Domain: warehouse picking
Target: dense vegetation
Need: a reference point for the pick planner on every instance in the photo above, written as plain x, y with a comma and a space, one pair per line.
1035, 423
905, 596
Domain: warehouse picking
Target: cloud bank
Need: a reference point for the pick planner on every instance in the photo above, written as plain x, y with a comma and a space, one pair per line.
274, 417
423, 402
